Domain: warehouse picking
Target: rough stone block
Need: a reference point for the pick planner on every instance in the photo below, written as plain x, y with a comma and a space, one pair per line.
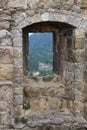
5, 38
54, 103
55, 16
18, 72
6, 72
45, 17
84, 4
6, 55
34, 92
79, 43
16, 33
18, 52
18, 100
4, 33
78, 106
79, 86
4, 106
78, 96
36, 18
79, 72
70, 19
80, 55
32, 3
6, 93
18, 81
34, 105
19, 90
4, 118
17, 3
6, 41
19, 110
17, 42
5, 25
43, 104
69, 77
79, 33
18, 63
56, 91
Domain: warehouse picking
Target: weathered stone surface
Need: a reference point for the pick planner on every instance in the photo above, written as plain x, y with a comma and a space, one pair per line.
34, 92
3, 106
79, 43
17, 3
19, 111
45, 17
6, 41
19, 90
18, 81
6, 72
79, 67
79, 33
84, 4
4, 118
18, 52
15, 32
52, 101
5, 25
4, 33
78, 106
5, 38
80, 55
18, 63
17, 42
18, 99
6, 55
6, 92
79, 86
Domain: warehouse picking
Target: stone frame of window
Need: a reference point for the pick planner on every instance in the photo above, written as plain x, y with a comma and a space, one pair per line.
57, 30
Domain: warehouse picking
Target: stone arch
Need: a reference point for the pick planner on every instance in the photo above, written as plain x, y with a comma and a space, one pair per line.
52, 17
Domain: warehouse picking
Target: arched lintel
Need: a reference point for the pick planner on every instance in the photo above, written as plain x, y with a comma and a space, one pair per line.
50, 17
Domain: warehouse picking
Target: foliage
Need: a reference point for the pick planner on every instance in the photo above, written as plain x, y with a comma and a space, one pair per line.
26, 106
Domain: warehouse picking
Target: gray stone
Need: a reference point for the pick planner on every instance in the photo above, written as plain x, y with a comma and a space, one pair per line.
57, 121
4, 33
17, 3
18, 63
19, 126
76, 8
45, 17
17, 42
79, 72
4, 106
6, 41
38, 123
18, 81
18, 99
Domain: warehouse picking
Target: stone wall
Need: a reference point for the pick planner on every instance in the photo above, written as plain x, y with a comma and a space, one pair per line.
56, 103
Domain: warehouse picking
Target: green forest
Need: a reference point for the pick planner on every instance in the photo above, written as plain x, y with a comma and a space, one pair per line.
40, 53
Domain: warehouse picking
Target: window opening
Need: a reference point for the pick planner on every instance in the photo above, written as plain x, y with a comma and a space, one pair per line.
40, 53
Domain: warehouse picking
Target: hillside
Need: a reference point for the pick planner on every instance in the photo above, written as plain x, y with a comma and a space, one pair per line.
40, 50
